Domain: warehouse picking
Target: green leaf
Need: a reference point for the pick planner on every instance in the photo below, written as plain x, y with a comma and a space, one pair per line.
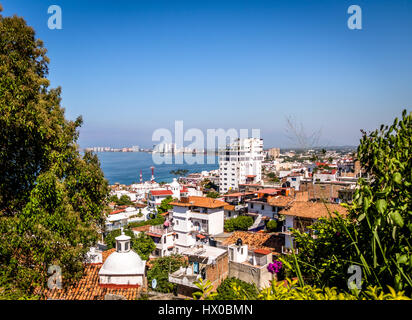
396, 217
397, 177
381, 205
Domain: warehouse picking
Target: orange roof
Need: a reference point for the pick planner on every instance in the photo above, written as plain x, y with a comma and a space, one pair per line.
262, 251
88, 288
268, 191
117, 211
229, 207
238, 194
200, 236
203, 202
256, 240
280, 201
313, 210
153, 234
161, 192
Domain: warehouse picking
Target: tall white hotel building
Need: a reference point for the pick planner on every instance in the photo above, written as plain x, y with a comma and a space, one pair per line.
240, 163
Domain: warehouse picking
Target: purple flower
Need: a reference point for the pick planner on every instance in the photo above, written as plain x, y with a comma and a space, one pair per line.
274, 267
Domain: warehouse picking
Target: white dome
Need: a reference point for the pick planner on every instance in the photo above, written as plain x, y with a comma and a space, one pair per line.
175, 184
123, 263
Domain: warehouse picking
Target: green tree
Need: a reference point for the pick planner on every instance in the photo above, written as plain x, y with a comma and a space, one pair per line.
225, 290
272, 225
143, 245
51, 198
213, 194
165, 205
376, 234
238, 223
160, 271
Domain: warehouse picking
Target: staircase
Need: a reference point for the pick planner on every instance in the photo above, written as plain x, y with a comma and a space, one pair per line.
258, 224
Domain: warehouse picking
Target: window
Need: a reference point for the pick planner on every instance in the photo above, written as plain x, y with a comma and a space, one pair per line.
164, 239
119, 247
126, 246
251, 205
263, 207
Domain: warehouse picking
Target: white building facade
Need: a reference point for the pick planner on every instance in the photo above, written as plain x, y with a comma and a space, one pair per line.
240, 163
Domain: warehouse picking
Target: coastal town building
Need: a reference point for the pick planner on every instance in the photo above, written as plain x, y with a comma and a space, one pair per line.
195, 219
240, 162
301, 214
206, 262
250, 265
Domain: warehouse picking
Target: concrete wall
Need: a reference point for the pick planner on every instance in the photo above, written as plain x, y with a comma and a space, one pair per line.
260, 276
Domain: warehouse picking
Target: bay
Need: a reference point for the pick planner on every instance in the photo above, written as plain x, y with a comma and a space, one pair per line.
124, 167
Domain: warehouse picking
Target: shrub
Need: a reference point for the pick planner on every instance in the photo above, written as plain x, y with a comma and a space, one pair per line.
160, 271
225, 290
239, 223
272, 225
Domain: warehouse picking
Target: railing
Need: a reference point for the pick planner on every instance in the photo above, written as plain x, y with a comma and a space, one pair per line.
160, 229
289, 250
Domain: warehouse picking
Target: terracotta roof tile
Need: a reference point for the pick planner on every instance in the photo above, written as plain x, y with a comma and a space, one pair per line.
256, 240
203, 202
88, 288
280, 201
313, 210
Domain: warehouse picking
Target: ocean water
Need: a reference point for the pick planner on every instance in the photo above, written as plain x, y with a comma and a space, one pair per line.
124, 167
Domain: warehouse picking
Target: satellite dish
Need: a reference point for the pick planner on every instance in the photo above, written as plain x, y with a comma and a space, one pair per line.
239, 242
154, 283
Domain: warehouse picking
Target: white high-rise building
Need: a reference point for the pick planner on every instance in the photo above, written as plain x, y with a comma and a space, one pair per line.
240, 163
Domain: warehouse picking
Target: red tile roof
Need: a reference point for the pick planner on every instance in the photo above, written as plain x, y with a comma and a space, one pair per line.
202, 202
262, 251
161, 192
88, 287
268, 191
238, 194
117, 211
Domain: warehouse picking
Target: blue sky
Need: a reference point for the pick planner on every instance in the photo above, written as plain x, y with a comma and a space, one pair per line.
130, 67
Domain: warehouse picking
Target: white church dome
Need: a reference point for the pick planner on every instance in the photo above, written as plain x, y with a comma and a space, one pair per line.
124, 261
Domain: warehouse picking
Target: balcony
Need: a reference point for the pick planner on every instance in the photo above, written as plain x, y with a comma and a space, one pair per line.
160, 229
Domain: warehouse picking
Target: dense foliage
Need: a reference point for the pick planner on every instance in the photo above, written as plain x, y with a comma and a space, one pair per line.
239, 223
213, 194
165, 205
160, 271
377, 233
291, 290
124, 200
51, 198
142, 244
225, 290
272, 225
